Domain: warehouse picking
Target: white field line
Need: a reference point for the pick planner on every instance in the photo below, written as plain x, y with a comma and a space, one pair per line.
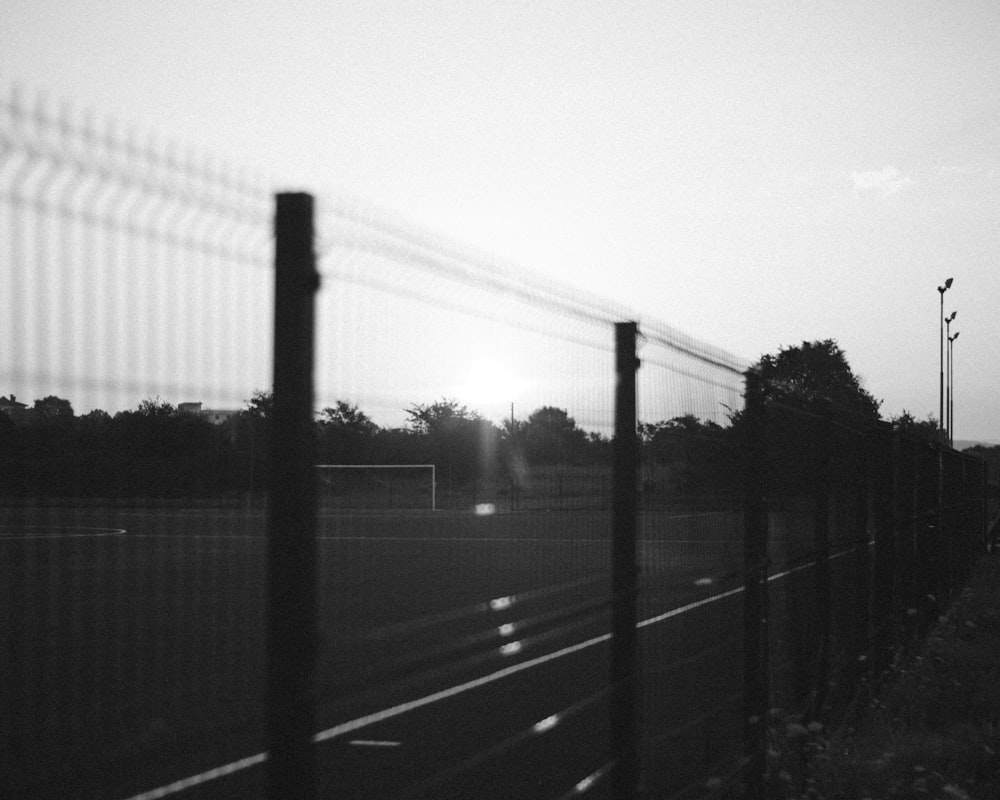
457, 539
198, 537
403, 708
374, 743
204, 777
263, 537
88, 532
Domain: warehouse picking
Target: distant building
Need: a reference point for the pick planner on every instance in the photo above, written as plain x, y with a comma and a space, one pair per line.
15, 411
214, 415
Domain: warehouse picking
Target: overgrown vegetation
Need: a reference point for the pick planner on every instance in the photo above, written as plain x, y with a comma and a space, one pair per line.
930, 727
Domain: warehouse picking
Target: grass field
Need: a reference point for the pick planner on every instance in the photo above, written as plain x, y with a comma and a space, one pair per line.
135, 653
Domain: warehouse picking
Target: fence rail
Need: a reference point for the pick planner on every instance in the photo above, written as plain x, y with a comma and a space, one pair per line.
634, 566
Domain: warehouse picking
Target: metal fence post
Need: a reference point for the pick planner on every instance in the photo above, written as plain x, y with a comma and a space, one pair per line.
884, 584
984, 544
863, 555
625, 572
755, 597
291, 549
821, 571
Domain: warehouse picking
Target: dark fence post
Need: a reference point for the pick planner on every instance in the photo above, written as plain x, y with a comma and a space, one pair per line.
907, 511
291, 527
755, 597
625, 572
862, 442
821, 571
884, 585
985, 510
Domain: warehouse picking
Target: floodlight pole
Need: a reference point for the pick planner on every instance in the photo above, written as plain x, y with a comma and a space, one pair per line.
941, 291
951, 388
947, 393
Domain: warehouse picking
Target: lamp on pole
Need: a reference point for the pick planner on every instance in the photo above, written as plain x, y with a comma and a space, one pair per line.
951, 389
947, 390
941, 291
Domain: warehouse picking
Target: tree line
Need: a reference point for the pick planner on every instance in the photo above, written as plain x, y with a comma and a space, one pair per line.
816, 404
158, 450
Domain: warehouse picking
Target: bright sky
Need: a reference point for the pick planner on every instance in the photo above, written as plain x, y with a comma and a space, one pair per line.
754, 173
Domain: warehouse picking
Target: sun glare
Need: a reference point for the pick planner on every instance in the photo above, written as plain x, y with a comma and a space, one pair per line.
489, 383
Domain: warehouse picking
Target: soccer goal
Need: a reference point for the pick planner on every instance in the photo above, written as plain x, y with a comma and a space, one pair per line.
376, 486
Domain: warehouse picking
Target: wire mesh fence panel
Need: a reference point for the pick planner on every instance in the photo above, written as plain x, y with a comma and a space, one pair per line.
465, 647
480, 489
136, 317
691, 562
868, 544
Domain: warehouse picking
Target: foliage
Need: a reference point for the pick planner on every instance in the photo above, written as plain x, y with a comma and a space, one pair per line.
154, 408
991, 455
460, 442
261, 404
346, 435
817, 413
923, 430
439, 416
551, 436
346, 415
152, 451
52, 407
928, 727
155, 450
815, 377
687, 460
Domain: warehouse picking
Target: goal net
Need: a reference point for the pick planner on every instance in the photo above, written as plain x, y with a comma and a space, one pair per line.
376, 486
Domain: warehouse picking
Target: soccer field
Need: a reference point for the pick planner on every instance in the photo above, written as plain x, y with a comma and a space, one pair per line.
450, 643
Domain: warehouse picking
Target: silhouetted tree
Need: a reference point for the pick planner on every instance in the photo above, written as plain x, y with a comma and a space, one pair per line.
815, 377
346, 435
250, 432
991, 455
925, 430
51, 408
688, 459
817, 412
96, 418
159, 452
457, 440
438, 416
551, 436
261, 404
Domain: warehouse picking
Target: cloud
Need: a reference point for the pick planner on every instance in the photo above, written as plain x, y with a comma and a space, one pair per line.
886, 181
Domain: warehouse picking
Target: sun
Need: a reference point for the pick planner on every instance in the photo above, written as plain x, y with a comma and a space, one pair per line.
490, 383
